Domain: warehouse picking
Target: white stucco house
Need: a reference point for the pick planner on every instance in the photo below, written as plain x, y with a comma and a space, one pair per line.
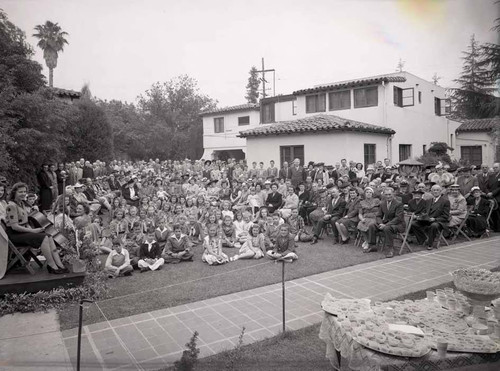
477, 141
221, 127
396, 115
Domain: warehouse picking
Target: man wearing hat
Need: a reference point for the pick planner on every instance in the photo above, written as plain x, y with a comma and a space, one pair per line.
438, 211
417, 205
403, 192
334, 211
466, 181
321, 173
130, 192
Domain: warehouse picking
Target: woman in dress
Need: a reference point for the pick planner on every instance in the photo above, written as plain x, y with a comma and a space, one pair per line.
479, 210
3, 201
368, 209
254, 247
291, 202
212, 248
20, 233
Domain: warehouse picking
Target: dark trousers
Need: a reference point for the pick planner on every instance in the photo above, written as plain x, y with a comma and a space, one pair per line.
389, 232
495, 220
322, 223
422, 230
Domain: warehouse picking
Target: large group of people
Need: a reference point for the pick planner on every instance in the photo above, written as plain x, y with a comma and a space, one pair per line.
146, 214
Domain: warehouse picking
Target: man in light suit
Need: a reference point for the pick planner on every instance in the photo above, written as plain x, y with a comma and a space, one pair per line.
438, 218
298, 173
390, 221
335, 211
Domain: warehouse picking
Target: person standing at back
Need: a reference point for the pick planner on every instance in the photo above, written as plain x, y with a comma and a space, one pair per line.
298, 174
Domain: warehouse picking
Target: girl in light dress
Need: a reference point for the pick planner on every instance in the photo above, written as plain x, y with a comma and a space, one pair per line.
228, 232
254, 247
242, 225
212, 248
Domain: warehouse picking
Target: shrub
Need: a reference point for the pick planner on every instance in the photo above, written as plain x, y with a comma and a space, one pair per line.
234, 356
189, 356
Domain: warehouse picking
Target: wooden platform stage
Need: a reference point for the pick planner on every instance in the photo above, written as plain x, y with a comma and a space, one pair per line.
17, 281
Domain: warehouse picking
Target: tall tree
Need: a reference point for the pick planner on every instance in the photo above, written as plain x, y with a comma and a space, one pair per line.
171, 111
252, 95
473, 98
491, 53
51, 41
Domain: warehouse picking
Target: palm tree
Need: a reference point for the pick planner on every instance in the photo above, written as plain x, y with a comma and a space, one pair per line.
52, 40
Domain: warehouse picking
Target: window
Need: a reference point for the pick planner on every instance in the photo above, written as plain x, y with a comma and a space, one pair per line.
339, 100
451, 140
473, 154
219, 124
404, 152
424, 149
403, 97
316, 103
366, 97
294, 107
290, 153
370, 157
442, 107
267, 113
419, 97
243, 120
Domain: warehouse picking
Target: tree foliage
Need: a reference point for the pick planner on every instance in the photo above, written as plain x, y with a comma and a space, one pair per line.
252, 95
473, 98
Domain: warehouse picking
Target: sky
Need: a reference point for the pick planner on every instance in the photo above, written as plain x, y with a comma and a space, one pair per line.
121, 47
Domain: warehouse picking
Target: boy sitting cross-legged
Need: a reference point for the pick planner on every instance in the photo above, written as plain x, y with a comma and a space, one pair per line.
150, 253
178, 247
118, 261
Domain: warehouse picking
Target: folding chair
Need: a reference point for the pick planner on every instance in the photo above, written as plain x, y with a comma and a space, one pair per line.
493, 206
441, 238
17, 254
459, 229
404, 236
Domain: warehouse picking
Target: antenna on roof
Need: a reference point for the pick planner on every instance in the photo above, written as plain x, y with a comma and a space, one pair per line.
400, 66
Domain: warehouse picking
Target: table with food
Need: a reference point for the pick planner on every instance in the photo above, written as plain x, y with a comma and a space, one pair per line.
450, 329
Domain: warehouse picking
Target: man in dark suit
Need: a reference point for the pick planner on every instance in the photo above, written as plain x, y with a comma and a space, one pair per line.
494, 192
482, 178
417, 205
88, 170
285, 172
390, 221
298, 173
335, 210
274, 199
438, 211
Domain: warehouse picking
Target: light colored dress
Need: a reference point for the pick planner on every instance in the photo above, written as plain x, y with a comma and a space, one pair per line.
369, 210
212, 253
458, 210
254, 245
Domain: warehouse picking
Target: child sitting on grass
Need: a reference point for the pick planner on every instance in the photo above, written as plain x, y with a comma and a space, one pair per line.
242, 226
228, 232
297, 227
254, 247
178, 247
212, 245
150, 253
118, 261
284, 248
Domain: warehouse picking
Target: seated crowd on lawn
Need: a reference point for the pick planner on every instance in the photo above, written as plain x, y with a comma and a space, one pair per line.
147, 214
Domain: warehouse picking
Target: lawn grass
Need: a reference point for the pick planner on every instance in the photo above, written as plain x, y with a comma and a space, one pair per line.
194, 281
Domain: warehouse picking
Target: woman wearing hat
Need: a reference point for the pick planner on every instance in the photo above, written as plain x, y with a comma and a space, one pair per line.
458, 206
479, 210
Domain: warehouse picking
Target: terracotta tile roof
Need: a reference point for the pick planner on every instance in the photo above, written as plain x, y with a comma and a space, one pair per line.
480, 124
314, 124
353, 83
241, 107
66, 93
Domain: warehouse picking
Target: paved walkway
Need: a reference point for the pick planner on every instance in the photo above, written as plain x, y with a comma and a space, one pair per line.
156, 339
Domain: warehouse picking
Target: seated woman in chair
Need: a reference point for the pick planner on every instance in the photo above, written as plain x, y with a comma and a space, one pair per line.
479, 210
20, 233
